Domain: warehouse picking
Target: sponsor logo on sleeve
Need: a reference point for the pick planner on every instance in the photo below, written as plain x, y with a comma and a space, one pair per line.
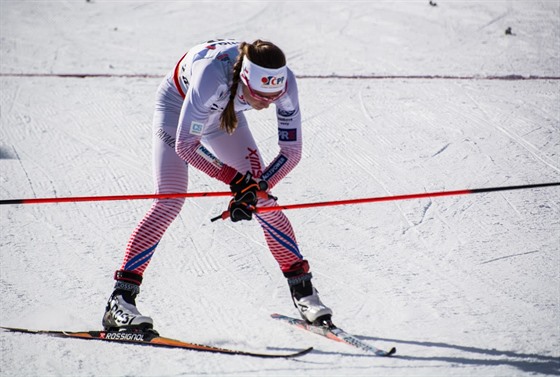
196, 128
286, 134
166, 138
208, 156
286, 113
273, 169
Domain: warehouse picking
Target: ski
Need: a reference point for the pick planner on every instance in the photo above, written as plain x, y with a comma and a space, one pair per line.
332, 332
151, 338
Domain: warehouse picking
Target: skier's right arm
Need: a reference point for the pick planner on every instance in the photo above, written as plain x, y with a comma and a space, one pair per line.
205, 88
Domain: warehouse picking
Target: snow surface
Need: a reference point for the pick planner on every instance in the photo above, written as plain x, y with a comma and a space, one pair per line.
464, 285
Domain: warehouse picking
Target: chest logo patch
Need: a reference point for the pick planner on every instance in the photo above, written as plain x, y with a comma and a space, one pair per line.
196, 128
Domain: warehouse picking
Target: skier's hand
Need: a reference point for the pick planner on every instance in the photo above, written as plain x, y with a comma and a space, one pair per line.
240, 211
245, 188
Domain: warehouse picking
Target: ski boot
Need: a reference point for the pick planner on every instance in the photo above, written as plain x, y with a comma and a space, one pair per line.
309, 305
121, 312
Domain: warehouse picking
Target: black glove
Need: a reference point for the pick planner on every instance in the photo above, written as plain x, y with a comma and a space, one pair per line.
240, 211
244, 188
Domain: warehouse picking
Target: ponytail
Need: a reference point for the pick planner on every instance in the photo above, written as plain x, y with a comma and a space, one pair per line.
228, 119
259, 52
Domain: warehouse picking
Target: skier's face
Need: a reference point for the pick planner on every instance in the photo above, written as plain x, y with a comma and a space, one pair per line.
259, 100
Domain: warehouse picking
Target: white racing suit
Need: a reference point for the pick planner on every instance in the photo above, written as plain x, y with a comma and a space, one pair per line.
186, 132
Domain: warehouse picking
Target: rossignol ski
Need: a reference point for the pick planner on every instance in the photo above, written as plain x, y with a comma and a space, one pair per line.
151, 338
332, 332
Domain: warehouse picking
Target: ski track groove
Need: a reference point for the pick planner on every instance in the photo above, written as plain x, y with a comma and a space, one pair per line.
513, 207
535, 152
28, 178
494, 20
510, 256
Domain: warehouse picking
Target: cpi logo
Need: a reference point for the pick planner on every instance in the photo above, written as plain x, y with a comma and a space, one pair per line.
272, 80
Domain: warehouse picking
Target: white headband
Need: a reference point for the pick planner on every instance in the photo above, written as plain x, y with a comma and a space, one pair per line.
266, 80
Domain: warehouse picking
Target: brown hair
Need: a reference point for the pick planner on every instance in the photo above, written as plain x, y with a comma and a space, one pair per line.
262, 53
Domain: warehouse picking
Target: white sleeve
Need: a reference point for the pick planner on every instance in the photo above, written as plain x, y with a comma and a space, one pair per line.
289, 135
207, 85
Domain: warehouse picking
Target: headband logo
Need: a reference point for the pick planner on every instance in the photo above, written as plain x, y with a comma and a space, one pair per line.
268, 80
272, 80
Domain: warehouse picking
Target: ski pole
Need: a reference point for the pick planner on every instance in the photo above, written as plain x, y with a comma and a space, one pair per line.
225, 214
113, 197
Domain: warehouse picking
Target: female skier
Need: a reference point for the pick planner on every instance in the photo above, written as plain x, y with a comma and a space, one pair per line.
200, 104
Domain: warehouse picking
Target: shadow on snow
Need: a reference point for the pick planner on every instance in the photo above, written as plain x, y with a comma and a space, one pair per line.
534, 363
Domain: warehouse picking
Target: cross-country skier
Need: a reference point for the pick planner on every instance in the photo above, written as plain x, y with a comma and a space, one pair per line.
199, 122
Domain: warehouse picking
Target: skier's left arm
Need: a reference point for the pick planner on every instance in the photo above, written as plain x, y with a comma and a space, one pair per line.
289, 135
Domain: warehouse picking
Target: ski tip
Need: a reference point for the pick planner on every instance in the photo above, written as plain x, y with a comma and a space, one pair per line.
15, 329
392, 351
300, 353
306, 351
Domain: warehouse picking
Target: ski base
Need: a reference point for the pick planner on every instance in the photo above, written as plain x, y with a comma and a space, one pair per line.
151, 338
332, 332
